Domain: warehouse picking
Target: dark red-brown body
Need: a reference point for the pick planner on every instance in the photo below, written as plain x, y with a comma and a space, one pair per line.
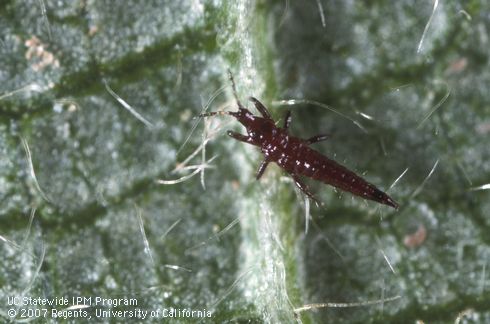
298, 159
294, 155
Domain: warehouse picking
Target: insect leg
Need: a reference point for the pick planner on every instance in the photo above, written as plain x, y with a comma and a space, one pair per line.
304, 188
317, 138
287, 119
239, 137
261, 169
261, 108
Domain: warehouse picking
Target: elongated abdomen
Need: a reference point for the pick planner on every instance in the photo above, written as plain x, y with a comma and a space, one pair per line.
321, 168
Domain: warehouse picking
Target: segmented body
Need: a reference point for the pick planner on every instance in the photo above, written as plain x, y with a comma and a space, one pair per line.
294, 155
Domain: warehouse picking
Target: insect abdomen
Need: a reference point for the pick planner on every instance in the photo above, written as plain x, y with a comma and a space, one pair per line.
321, 168
293, 154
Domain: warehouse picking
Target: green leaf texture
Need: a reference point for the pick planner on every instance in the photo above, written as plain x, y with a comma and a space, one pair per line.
401, 86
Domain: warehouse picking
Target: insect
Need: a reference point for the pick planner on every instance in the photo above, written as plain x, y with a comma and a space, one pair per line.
294, 155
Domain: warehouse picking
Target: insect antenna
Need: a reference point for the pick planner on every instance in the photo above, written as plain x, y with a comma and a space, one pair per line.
221, 113
230, 75
214, 113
